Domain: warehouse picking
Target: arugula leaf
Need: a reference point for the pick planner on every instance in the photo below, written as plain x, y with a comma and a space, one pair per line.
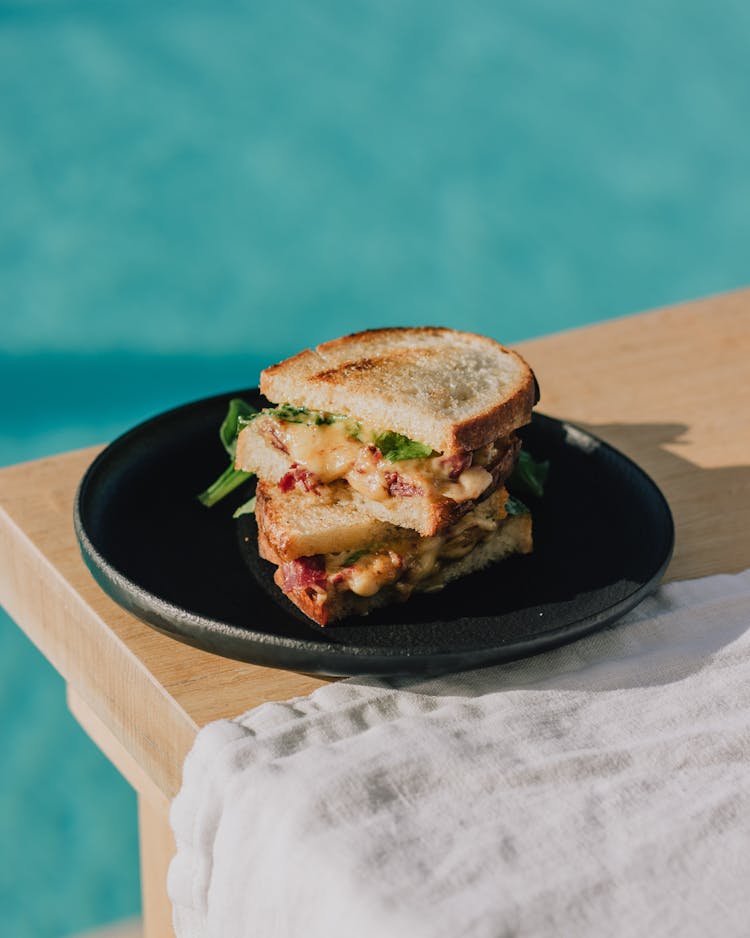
396, 447
221, 487
529, 475
291, 414
288, 413
237, 410
238, 414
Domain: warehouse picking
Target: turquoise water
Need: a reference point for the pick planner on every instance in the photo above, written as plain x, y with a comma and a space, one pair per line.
191, 190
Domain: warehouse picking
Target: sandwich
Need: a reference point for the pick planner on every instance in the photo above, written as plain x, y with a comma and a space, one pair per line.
383, 461
420, 423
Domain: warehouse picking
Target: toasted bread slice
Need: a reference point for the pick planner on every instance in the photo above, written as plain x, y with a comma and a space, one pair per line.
453, 391
394, 564
299, 524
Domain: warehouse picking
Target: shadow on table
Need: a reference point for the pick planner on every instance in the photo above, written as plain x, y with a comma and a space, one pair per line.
707, 503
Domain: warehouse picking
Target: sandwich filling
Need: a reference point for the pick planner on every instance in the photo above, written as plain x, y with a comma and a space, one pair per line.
405, 561
322, 448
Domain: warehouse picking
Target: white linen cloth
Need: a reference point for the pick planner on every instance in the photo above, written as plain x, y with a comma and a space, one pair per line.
599, 789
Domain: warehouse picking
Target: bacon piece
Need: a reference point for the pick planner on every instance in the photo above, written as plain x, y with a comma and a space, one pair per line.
303, 573
398, 485
300, 476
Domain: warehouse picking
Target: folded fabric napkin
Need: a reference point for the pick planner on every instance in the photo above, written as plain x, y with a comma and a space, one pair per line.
599, 789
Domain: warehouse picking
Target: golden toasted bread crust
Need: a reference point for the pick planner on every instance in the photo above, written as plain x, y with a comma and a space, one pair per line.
273, 541
495, 422
266, 548
452, 390
269, 374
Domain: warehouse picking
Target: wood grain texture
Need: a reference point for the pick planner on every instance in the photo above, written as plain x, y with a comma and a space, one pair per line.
670, 388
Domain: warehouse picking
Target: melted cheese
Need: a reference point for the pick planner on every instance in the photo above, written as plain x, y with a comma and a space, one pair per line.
370, 577
331, 452
468, 486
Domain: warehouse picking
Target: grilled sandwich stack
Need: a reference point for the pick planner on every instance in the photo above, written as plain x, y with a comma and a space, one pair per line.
382, 469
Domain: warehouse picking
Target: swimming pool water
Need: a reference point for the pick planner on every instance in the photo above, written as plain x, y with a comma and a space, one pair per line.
191, 190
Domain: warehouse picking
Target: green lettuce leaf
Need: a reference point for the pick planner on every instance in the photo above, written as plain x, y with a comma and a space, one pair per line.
291, 414
237, 411
396, 447
288, 413
238, 414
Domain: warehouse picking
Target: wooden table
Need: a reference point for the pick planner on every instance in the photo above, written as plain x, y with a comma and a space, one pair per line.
671, 388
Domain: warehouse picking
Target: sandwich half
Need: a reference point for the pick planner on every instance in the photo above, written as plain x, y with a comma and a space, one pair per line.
419, 423
334, 559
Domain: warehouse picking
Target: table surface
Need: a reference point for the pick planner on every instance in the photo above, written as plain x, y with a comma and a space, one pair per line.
670, 388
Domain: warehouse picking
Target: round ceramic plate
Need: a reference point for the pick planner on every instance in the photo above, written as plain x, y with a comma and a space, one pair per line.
603, 537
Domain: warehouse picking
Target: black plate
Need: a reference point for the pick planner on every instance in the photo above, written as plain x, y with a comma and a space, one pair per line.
603, 538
